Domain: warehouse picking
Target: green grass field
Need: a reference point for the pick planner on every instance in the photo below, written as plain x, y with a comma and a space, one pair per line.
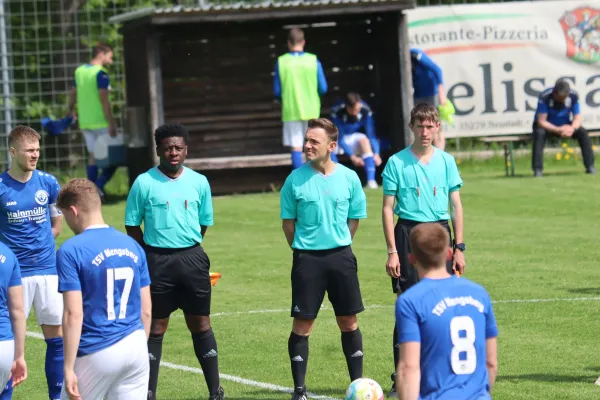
533, 243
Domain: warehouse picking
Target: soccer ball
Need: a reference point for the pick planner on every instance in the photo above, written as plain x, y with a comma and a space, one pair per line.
364, 389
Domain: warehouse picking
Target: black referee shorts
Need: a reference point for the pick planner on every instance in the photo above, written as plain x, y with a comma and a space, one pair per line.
179, 279
408, 273
315, 272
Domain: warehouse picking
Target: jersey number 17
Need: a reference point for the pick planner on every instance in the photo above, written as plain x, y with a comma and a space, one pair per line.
112, 275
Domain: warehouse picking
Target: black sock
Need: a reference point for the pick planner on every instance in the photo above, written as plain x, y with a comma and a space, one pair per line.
298, 351
353, 350
154, 354
396, 350
205, 347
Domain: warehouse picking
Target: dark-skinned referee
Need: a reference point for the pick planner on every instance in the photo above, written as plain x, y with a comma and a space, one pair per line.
175, 205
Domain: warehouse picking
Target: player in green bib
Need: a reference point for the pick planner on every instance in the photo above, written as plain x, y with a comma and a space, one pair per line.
299, 81
321, 205
422, 181
90, 95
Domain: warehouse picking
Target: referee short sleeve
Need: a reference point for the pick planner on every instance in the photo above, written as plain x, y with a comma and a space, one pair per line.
206, 208
455, 182
135, 206
390, 178
358, 200
287, 200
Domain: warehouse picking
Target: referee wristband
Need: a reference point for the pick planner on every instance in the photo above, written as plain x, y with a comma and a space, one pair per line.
393, 251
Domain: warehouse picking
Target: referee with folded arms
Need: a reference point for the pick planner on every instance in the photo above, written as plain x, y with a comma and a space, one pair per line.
321, 204
175, 205
419, 183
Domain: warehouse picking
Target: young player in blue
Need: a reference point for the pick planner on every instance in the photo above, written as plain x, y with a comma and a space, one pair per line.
29, 223
446, 328
12, 320
354, 120
103, 276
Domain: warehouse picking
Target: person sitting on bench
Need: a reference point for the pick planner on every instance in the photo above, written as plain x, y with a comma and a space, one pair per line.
354, 120
558, 113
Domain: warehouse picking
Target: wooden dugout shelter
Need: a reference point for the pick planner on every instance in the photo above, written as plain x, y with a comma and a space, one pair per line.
211, 69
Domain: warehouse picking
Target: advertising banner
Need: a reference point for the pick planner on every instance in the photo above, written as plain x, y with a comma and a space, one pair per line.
497, 58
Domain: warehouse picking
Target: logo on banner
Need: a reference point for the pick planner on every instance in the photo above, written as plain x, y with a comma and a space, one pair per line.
581, 27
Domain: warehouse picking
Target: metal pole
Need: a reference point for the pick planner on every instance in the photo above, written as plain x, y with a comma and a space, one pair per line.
5, 79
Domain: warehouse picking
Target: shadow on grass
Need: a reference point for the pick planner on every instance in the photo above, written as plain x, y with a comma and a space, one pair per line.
266, 394
590, 291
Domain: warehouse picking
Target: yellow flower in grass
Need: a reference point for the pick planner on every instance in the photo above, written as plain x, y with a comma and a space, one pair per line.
458, 161
594, 147
567, 156
564, 145
558, 156
570, 150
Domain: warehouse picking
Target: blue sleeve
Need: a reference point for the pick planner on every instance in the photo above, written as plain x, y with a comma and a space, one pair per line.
491, 329
407, 322
53, 189
576, 108
432, 66
287, 201
143, 268
390, 179
322, 82
370, 132
358, 200
15, 276
277, 82
455, 182
68, 271
206, 208
102, 80
136, 205
542, 107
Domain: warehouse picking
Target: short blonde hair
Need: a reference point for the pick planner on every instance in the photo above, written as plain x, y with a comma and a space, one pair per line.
429, 244
22, 133
81, 193
325, 124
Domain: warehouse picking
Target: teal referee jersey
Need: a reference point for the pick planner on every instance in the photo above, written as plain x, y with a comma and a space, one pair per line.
422, 191
322, 205
172, 210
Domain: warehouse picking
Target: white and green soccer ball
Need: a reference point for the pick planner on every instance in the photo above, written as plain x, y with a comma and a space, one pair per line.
364, 389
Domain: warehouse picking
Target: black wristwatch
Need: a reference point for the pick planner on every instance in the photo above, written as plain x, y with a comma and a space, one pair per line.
460, 246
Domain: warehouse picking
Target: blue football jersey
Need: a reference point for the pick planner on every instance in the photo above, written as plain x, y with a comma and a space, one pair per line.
10, 275
25, 225
110, 269
452, 318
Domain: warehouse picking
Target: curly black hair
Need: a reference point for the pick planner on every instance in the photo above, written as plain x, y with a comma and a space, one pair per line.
171, 130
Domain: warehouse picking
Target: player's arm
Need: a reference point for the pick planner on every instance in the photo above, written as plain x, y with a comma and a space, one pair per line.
103, 90
135, 212
576, 123
408, 376
71, 324
277, 82
542, 117
56, 223
456, 214
72, 100
16, 311
205, 212
491, 362
146, 309
387, 218
289, 229
321, 80
136, 233
370, 132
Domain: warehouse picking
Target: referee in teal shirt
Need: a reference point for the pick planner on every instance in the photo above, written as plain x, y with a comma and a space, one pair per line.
175, 205
421, 181
321, 204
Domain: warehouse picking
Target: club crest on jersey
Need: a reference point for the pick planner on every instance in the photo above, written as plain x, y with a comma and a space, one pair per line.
41, 197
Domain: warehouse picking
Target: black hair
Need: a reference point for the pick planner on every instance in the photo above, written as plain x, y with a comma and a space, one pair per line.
171, 130
562, 87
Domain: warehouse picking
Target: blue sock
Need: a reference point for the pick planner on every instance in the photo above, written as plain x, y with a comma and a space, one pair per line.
370, 168
107, 173
54, 366
297, 159
334, 157
7, 392
92, 172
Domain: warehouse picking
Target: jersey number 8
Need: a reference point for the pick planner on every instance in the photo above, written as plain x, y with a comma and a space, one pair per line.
112, 275
464, 344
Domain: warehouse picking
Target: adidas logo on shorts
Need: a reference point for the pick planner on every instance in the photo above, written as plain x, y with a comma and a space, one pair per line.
357, 354
298, 359
296, 309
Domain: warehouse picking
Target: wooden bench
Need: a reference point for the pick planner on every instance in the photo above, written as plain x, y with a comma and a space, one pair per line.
236, 162
508, 143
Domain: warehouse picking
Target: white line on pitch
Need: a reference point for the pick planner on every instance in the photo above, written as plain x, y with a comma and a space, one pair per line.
373, 306
226, 377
